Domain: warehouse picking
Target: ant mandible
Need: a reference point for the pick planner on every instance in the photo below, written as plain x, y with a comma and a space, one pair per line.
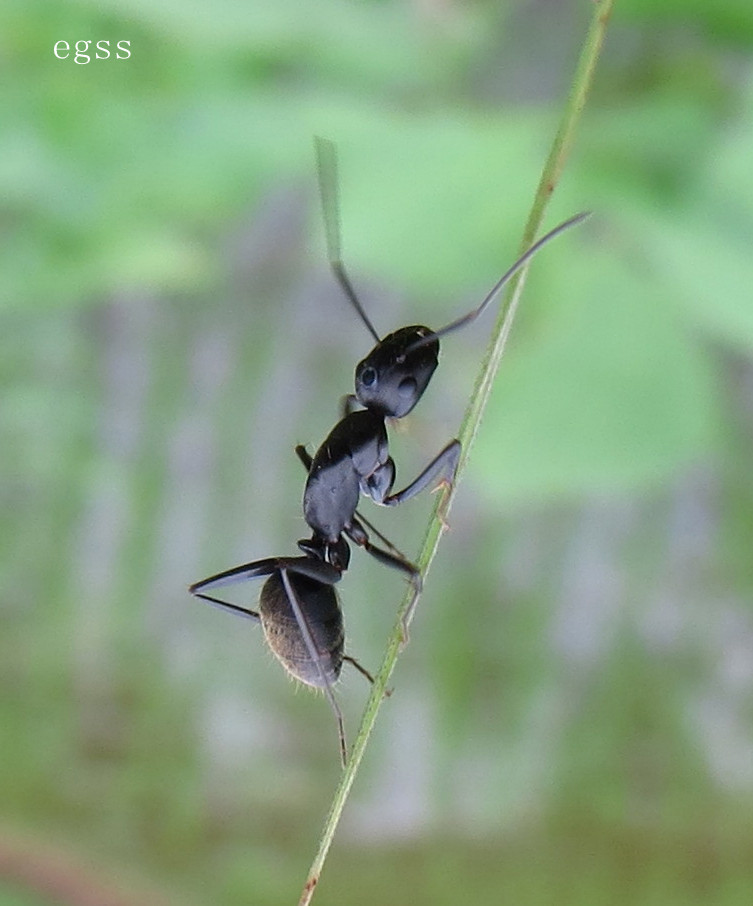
298, 609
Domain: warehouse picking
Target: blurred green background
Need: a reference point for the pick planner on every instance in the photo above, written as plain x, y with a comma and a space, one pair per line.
573, 720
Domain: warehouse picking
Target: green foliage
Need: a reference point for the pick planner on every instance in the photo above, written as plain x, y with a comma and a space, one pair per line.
122, 192
616, 394
165, 342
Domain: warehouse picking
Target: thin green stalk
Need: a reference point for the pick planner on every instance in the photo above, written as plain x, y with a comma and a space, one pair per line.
549, 179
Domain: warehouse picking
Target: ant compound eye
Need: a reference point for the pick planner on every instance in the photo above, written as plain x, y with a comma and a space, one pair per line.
368, 376
407, 387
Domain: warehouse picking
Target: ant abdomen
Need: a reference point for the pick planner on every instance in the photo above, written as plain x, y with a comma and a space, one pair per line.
283, 634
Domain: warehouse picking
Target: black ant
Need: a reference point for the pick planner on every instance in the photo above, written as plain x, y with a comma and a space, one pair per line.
299, 610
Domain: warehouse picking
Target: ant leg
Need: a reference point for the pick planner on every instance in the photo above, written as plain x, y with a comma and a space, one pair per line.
375, 531
241, 573
388, 559
302, 453
357, 534
359, 667
443, 466
231, 608
365, 672
408, 617
237, 574
320, 572
305, 566
316, 657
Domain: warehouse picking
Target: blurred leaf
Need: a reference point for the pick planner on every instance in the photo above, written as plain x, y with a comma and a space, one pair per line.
706, 261
732, 19
701, 245
115, 177
637, 154
615, 397
730, 175
428, 202
155, 260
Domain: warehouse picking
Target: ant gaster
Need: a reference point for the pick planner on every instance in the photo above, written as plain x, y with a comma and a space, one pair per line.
300, 615
299, 610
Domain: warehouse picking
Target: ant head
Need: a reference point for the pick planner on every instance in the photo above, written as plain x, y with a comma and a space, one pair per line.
393, 376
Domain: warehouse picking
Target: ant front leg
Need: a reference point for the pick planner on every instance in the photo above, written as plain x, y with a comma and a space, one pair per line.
442, 467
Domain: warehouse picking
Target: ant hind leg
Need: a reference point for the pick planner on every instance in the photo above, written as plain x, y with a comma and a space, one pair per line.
316, 657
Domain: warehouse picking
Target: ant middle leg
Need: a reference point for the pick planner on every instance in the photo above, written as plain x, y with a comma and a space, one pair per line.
397, 561
375, 531
357, 534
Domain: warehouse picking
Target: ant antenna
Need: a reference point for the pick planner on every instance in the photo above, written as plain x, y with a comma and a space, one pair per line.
524, 259
326, 165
